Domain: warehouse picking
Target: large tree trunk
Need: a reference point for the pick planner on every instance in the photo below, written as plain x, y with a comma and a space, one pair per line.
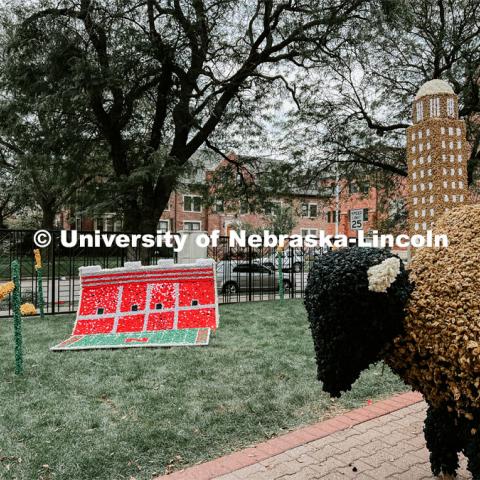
145, 220
48, 217
2, 221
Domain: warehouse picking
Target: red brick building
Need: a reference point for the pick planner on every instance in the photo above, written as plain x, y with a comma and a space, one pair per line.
313, 210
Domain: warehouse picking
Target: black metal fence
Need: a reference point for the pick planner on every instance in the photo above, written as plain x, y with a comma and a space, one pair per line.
243, 274
246, 274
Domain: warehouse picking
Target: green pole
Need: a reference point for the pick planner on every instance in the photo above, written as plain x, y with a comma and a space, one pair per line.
281, 290
41, 303
17, 318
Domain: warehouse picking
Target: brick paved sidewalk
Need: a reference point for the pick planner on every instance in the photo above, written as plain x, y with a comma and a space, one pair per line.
381, 441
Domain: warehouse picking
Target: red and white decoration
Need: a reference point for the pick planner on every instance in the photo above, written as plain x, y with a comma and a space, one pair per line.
162, 305
141, 299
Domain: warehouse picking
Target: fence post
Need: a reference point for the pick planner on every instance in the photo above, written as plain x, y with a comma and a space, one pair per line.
281, 289
250, 253
52, 260
293, 278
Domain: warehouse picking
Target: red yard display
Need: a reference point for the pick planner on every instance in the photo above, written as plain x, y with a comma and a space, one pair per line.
162, 305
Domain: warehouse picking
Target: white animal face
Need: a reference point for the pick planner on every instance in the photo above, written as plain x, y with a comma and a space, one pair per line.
381, 276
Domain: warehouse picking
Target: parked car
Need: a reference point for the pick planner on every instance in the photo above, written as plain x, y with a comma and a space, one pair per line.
235, 277
292, 259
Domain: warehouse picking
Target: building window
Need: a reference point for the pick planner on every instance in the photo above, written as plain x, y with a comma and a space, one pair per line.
308, 231
78, 222
273, 207
100, 311
192, 203
191, 226
419, 111
332, 216
134, 308
104, 223
309, 210
163, 226
194, 303
450, 107
108, 224
352, 188
219, 206
358, 187
435, 107
158, 306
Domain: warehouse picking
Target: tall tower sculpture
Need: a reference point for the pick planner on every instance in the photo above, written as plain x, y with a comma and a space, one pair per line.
437, 154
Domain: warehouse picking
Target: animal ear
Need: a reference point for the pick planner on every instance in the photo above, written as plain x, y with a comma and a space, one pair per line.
381, 276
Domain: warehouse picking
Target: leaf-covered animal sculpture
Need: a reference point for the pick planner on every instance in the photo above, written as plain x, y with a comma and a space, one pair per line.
363, 306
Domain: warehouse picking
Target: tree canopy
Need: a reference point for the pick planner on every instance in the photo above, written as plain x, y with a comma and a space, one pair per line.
157, 79
131, 91
359, 122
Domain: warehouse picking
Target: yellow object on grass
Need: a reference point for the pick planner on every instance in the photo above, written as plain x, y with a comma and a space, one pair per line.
6, 289
28, 309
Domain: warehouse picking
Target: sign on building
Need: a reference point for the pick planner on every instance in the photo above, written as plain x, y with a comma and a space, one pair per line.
356, 219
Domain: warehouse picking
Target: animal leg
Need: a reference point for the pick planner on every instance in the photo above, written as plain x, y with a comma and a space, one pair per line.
472, 452
443, 442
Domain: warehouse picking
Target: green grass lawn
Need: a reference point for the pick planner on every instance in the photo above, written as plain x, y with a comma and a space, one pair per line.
134, 413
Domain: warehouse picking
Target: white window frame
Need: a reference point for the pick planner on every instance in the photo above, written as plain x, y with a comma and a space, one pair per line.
167, 221
419, 110
310, 212
117, 225
192, 196
197, 222
435, 107
109, 221
105, 217
450, 107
